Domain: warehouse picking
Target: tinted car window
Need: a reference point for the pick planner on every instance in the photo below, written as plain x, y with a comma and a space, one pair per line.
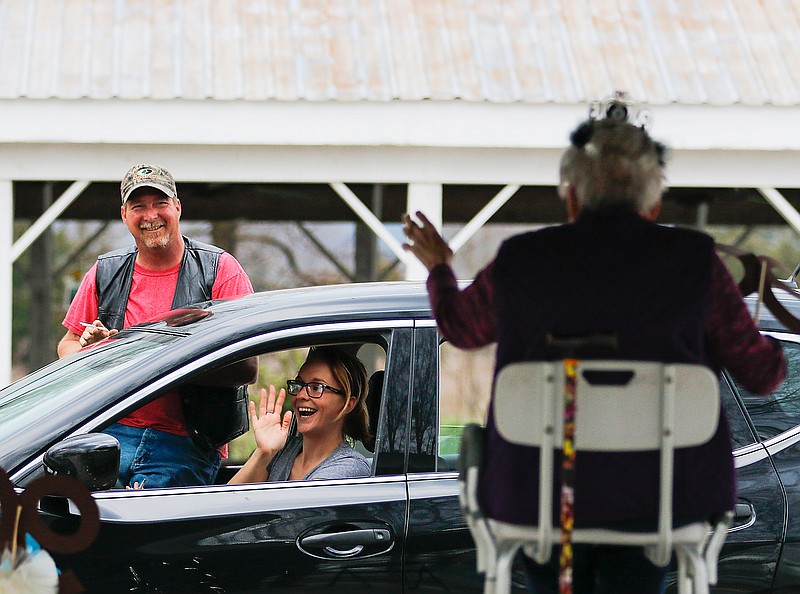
62, 382
778, 411
55, 396
465, 380
277, 367
741, 432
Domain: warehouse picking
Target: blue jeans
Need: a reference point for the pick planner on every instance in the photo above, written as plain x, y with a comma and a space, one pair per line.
162, 459
598, 570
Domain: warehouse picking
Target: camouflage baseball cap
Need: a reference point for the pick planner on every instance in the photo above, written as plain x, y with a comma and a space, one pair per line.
147, 175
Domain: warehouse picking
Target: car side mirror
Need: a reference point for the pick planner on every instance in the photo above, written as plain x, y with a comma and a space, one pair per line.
91, 459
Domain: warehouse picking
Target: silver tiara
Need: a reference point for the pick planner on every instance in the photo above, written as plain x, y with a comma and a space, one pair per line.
621, 108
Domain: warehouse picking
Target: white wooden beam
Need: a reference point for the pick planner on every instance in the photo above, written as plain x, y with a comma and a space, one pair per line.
380, 164
366, 215
289, 123
285, 164
43, 222
377, 123
783, 206
480, 219
6, 276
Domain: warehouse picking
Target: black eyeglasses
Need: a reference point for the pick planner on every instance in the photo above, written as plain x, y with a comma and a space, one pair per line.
313, 389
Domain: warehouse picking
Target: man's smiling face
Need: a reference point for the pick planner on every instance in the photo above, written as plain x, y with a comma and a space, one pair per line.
152, 218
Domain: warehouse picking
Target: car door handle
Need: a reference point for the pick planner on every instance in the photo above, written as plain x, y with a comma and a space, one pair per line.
744, 516
350, 538
742, 512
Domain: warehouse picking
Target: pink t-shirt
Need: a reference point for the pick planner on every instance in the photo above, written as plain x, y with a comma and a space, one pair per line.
151, 294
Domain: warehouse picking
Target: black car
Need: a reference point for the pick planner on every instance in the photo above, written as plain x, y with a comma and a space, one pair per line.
400, 529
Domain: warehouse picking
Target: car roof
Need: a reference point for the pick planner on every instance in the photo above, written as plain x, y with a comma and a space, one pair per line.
398, 298
270, 310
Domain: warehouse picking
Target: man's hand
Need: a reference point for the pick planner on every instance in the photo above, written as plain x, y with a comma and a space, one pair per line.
92, 333
425, 242
95, 332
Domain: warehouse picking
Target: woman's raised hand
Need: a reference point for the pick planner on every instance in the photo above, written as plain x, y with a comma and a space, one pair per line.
269, 429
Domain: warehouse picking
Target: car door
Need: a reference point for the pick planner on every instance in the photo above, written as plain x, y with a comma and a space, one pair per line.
776, 418
340, 535
440, 549
753, 544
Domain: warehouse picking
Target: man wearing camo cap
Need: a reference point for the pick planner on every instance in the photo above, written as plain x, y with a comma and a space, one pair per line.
128, 286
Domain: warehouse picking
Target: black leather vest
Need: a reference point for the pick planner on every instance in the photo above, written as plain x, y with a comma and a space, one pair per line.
115, 274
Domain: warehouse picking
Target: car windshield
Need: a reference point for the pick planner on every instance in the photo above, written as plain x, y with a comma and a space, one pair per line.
31, 399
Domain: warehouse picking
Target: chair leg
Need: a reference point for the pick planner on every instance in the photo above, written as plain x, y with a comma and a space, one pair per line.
505, 560
490, 584
684, 580
699, 572
484, 544
692, 571
490, 559
711, 555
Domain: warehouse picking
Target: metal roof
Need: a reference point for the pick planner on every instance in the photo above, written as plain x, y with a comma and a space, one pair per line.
715, 52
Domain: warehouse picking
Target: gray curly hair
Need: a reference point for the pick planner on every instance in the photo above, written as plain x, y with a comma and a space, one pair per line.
612, 161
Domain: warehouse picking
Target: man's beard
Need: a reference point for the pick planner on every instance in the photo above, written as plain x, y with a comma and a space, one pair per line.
157, 242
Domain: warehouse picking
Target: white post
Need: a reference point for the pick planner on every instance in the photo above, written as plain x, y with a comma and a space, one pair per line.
50, 215
6, 276
426, 198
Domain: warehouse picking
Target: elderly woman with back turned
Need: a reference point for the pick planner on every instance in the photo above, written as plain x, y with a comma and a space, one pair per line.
328, 400
666, 295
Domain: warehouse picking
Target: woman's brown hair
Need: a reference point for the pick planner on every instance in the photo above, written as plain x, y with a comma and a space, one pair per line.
350, 373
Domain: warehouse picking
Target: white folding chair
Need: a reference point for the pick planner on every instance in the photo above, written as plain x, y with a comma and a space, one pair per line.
658, 407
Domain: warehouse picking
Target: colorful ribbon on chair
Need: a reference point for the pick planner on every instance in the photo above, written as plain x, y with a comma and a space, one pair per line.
567, 512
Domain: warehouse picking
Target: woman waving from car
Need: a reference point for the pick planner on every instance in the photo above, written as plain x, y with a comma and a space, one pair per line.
328, 400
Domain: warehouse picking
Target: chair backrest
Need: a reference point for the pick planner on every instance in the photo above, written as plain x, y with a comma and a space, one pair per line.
622, 405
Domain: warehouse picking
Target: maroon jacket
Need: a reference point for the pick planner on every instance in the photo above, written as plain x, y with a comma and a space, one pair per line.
666, 295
